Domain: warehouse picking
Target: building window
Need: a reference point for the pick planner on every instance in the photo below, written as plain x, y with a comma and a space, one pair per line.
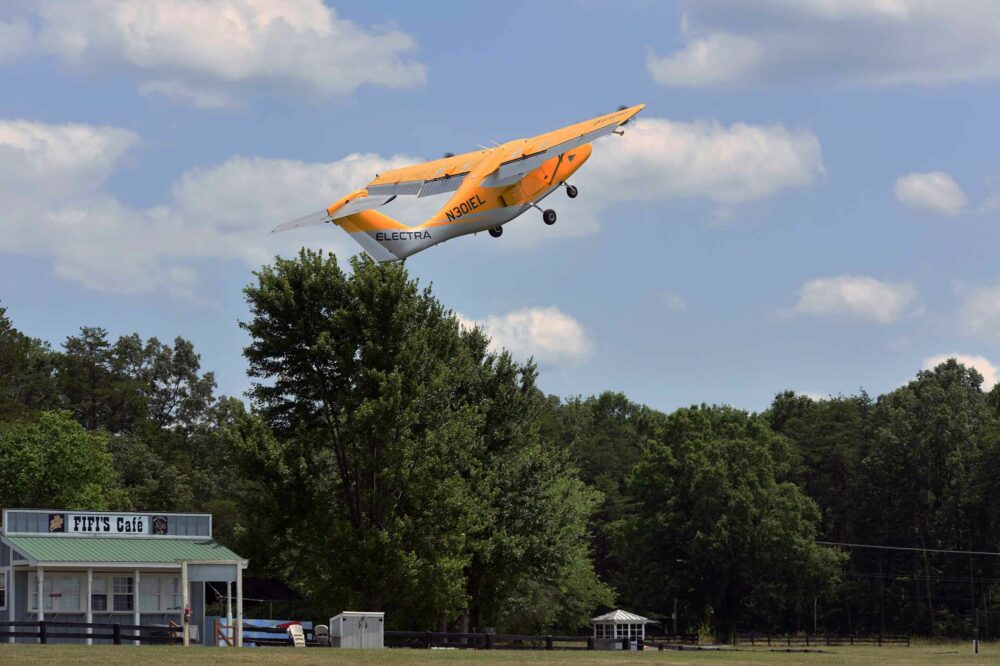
99, 594
172, 593
33, 594
149, 593
60, 593
3, 590
123, 592
69, 593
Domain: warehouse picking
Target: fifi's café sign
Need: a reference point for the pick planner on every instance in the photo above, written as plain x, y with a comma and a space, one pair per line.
107, 523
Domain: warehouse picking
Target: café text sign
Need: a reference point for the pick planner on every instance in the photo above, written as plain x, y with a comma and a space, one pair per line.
107, 523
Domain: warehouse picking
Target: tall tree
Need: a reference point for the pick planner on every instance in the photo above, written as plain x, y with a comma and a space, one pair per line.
382, 452
54, 462
831, 437
26, 367
925, 483
717, 526
604, 436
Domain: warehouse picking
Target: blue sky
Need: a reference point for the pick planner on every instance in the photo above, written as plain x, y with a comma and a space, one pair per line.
810, 200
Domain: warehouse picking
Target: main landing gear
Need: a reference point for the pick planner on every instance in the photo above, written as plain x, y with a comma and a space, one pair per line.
571, 191
548, 215
496, 232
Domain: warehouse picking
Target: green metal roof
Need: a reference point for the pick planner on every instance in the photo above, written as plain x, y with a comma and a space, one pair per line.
118, 549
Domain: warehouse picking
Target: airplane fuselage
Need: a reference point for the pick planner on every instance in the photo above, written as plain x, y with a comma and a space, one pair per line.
484, 203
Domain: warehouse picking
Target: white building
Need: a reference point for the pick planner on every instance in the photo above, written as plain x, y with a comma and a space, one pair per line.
611, 628
111, 567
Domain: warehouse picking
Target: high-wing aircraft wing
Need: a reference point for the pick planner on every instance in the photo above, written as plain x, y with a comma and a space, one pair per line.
429, 178
534, 151
421, 180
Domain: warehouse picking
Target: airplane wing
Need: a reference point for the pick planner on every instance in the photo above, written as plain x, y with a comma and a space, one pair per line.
534, 151
421, 180
429, 178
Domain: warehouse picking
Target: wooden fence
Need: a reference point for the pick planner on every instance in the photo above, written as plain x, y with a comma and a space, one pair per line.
432, 639
476, 641
116, 633
788, 640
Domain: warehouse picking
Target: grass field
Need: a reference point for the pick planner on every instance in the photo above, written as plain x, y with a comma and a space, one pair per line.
925, 653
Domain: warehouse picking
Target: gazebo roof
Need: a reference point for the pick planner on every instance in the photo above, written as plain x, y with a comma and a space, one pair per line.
621, 616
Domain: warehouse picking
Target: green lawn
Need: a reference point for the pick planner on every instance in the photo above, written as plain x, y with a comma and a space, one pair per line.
64, 655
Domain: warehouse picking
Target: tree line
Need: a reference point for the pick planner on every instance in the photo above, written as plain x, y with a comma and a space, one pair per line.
389, 458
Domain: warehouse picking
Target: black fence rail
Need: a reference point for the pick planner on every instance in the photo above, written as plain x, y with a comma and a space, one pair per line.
475, 641
118, 634
672, 639
828, 640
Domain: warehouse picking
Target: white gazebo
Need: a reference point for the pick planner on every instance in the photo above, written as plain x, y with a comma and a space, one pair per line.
611, 628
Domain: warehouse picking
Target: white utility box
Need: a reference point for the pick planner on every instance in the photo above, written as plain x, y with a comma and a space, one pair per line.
355, 629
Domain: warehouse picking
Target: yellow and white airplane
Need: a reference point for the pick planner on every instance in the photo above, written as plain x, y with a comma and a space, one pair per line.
491, 187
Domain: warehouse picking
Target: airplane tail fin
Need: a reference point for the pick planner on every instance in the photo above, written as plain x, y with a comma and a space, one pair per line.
382, 237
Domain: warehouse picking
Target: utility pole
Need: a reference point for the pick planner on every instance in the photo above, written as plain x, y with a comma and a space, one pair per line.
675, 616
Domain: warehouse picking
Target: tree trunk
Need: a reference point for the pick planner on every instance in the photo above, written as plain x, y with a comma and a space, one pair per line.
463, 626
927, 578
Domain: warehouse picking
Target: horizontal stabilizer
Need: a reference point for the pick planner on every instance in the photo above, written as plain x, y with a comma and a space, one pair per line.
304, 221
349, 205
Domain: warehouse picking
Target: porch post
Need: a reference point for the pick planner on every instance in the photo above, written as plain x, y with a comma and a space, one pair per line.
40, 578
11, 616
185, 603
239, 605
136, 620
89, 619
230, 632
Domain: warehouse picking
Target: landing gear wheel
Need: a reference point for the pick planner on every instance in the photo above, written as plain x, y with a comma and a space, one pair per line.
571, 191
496, 232
549, 216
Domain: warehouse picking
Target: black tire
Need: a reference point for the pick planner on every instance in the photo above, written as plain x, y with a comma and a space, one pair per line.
549, 216
496, 232
571, 191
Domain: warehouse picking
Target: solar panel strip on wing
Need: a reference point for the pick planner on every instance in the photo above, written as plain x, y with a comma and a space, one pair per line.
442, 185
406, 188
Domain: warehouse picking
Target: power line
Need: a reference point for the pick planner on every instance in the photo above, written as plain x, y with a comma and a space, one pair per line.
919, 550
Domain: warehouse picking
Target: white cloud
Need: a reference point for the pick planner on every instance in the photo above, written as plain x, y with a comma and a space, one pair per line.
182, 93
659, 159
885, 42
980, 363
550, 336
15, 39
203, 51
58, 159
932, 192
855, 296
980, 313
52, 192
